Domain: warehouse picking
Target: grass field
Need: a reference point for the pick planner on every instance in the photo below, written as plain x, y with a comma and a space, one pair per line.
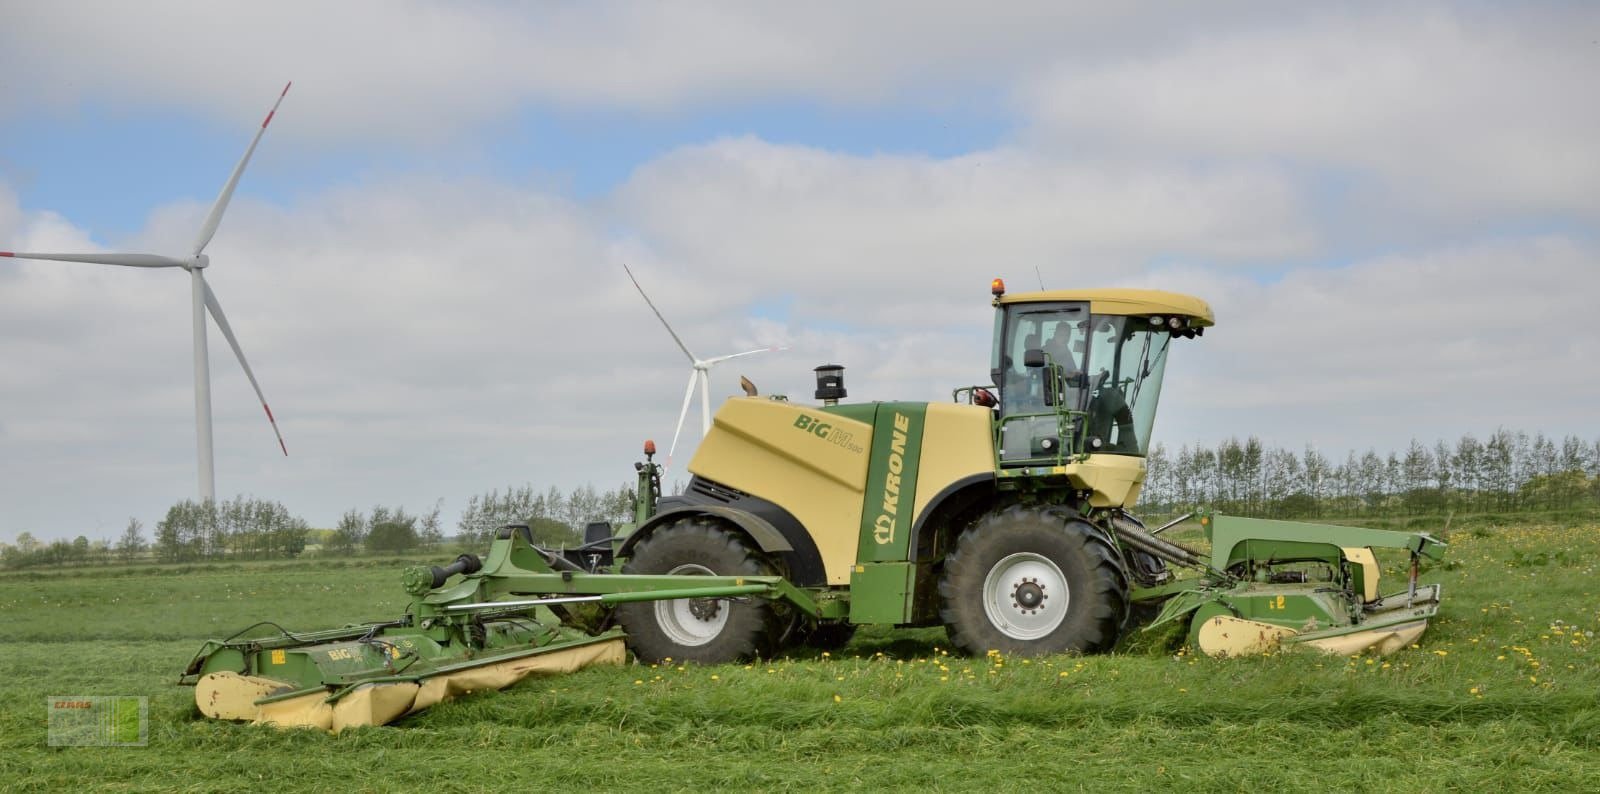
1503, 693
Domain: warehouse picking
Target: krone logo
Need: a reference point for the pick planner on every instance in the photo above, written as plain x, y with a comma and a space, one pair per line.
883, 528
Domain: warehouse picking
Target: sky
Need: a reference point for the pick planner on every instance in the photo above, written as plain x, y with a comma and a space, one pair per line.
1392, 209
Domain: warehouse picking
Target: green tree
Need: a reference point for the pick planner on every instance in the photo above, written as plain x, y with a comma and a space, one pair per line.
1468, 460
1318, 474
1558, 491
429, 531
552, 532
392, 537
1444, 475
351, 534
132, 544
1416, 477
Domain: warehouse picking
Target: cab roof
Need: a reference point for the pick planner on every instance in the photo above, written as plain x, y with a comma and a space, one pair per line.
1124, 302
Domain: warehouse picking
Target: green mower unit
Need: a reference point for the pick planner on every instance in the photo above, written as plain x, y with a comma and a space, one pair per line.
1273, 583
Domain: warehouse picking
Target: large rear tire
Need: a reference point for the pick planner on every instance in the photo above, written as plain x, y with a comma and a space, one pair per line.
701, 630
1031, 581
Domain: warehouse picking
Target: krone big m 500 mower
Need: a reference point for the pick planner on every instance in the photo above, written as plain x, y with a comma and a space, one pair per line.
1002, 515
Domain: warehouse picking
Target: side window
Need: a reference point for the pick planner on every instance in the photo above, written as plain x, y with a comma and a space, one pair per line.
1056, 328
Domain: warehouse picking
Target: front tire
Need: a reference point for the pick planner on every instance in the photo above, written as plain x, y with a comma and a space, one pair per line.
701, 630
1031, 581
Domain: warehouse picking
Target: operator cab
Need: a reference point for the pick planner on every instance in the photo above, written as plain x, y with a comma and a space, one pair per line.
1079, 371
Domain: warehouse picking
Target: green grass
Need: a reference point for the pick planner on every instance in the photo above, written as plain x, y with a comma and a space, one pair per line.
1500, 693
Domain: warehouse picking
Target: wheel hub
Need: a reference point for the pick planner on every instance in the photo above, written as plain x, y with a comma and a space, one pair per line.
1028, 595
1025, 596
705, 608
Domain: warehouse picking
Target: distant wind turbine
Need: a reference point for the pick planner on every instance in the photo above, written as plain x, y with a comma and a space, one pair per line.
203, 299
700, 372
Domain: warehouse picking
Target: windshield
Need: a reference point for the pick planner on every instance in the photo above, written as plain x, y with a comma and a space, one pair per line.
1096, 392
1127, 360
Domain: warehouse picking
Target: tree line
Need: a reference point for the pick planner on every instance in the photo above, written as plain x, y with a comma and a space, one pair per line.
249, 528
1505, 472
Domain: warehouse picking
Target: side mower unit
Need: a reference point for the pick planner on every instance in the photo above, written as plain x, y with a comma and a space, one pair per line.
1274, 583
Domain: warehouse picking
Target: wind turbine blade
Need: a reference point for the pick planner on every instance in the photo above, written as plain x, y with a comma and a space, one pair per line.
127, 260
688, 394
221, 204
648, 302
227, 333
719, 359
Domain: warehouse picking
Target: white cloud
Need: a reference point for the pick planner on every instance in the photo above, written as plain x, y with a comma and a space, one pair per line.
415, 71
873, 239
1462, 338
1447, 109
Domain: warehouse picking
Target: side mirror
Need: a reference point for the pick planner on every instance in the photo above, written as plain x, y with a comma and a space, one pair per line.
1033, 357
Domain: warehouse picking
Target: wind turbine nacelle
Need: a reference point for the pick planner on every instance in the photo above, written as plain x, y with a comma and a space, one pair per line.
199, 262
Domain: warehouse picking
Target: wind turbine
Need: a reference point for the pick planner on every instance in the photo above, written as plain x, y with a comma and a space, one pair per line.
700, 372
203, 299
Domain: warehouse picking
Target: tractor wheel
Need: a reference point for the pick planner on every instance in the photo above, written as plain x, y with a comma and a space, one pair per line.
1030, 581
701, 630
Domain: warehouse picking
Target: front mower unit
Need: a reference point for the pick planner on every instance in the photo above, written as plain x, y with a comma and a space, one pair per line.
1282, 583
